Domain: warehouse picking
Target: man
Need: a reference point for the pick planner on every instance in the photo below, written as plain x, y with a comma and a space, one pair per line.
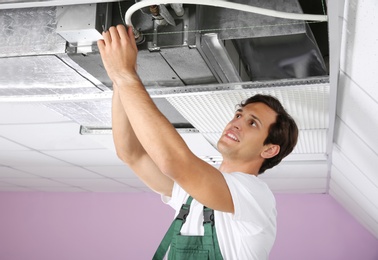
257, 138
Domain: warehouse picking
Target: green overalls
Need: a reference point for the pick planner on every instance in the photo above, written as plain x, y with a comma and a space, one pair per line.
190, 247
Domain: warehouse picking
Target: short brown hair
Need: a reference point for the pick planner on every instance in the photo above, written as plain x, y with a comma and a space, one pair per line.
283, 132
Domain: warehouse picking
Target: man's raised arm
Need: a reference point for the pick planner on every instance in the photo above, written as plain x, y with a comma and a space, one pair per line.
130, 150
158, 137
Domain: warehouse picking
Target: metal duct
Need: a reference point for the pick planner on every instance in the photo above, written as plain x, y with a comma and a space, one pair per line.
263, 47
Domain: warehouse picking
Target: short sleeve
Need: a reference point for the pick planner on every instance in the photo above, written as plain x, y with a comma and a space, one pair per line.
252, 198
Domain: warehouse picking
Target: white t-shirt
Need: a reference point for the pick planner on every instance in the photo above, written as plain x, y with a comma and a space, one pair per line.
249, 233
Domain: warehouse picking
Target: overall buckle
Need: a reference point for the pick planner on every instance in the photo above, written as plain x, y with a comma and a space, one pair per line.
184, 211
208, 216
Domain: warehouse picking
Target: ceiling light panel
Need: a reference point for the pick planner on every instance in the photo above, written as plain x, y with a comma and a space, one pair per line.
306, 101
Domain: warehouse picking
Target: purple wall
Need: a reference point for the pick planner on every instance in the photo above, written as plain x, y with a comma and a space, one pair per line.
98, 226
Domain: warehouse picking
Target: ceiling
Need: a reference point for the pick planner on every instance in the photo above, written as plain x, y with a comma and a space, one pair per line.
55, 132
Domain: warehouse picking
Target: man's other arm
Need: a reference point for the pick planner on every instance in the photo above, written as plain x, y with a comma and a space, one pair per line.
130, 150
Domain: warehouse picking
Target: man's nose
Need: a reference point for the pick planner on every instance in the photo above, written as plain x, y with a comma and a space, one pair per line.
236, 125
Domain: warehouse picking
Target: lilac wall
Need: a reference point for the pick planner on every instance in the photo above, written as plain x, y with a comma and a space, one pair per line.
100, 226
314, 227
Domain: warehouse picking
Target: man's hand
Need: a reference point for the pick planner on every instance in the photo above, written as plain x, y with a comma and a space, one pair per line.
118, 52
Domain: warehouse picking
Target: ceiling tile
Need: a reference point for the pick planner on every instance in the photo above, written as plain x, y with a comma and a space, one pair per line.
27, 158
7, 145
53, 172
98, 157
34, 182
305, 169
105, 140
26, 113
14, 189
59, 136
59, 189
6, 172
5, 184
113, 189
133, 182
198, 144
113, 171
297, 185
85, 183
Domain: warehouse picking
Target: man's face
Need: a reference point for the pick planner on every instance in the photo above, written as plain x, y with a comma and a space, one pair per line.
244, 135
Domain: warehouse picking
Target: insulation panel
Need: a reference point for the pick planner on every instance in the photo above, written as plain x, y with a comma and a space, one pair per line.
23, 78
29, 31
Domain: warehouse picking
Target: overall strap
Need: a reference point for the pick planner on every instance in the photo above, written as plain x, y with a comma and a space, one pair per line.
174, 228
210, 233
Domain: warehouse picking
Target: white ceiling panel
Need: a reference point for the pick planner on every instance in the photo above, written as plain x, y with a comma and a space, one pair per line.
297, 185
53, 172
106, 140
34, 182
7, 145
59, 189
304, 169
133, 182
97, 157
7, 172
117, 172
26, 113
99, 185
58, 136
27, 158
13, 188
199, 145
98, 182
113, 189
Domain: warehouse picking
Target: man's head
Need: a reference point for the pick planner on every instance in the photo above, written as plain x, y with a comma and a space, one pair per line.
283, 132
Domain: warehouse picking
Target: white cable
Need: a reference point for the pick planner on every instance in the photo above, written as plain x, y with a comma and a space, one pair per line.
225, 4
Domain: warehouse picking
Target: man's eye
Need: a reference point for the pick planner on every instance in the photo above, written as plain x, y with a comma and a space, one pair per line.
237, 116
253, 123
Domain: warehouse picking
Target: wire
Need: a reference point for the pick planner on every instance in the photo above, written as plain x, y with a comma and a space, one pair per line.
120, 12
225, 4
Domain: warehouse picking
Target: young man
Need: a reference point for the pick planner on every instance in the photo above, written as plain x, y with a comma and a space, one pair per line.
257, 138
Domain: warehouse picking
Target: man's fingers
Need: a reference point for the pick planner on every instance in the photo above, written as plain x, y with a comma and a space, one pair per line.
100, 45
112, 34
132, 37
121, 30
107, 38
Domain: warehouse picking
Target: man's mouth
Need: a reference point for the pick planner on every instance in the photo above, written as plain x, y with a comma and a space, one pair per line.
233, 137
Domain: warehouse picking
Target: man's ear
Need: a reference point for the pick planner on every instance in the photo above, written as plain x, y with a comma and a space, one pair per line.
270, 151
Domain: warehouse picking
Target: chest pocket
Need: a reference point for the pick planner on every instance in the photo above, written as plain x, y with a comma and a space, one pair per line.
204, 247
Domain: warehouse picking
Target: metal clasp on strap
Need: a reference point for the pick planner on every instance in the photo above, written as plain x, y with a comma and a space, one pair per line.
208, 216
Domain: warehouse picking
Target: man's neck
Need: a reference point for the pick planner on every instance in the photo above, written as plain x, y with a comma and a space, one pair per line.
231, 166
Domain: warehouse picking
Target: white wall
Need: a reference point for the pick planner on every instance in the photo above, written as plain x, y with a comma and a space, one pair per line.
354, 172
